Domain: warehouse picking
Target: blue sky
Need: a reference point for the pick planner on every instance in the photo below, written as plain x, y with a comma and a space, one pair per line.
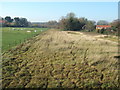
45, 11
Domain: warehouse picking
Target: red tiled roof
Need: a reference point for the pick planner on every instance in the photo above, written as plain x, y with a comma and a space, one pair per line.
2, 21
103, 25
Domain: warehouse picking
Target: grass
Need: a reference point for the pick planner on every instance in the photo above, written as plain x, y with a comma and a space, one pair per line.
112, 38
14, 36
57, 59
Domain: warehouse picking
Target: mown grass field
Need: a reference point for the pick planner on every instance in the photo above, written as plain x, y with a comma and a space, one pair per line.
13, 36
62, 59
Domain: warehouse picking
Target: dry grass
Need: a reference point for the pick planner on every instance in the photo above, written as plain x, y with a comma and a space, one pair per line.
61, 59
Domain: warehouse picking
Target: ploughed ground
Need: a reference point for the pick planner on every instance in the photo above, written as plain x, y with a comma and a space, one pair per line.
65, 59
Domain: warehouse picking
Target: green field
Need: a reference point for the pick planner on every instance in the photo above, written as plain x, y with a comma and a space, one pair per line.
14, 36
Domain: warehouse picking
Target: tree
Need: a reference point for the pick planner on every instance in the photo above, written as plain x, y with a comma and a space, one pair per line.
116, 26
70, 22
102, 31
90, 25
83, 21
102, 22
8, 20
23, 22
63, 23
17, 21
52, 24
70, 15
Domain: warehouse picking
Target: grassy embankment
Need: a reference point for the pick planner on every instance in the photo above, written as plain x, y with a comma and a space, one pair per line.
62, 59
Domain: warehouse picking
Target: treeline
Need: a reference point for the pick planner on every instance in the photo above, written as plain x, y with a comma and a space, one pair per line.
23, 22
15, 22
68, 22
71, 22
49, 24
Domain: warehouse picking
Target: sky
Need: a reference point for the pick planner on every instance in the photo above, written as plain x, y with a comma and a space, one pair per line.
45, 11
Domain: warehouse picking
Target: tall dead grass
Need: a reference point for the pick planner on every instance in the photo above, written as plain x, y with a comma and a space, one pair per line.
62, 59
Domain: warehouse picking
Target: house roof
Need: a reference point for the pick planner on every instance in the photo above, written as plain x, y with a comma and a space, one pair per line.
103, 25
2, 21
